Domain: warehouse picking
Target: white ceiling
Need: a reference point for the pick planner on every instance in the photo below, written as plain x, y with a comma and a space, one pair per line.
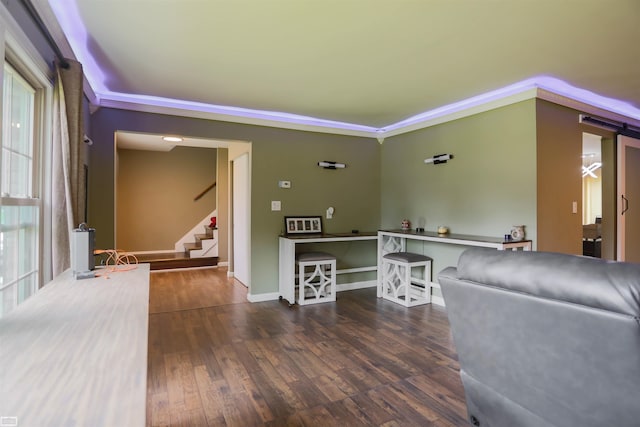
368, 62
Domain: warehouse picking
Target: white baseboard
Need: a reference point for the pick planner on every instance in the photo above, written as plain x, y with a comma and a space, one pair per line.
271, 296
356, 285
437, 300
223, 264
166, 270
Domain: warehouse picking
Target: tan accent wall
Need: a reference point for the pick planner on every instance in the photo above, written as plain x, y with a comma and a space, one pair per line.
155, 192
507, 170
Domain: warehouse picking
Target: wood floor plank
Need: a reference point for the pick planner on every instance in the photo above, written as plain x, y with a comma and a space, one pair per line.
272, 384
217, 360
158, 409
404, 410
374, 412
318, 416
346, 412
212, 397
237, 375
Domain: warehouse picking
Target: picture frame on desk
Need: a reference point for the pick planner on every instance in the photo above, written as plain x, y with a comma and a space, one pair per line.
303, 224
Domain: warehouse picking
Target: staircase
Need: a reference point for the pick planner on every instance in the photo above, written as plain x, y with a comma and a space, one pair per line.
204, 246
195, 249
203, 252
201, 241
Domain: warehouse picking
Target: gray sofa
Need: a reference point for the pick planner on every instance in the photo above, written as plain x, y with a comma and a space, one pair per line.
546, 339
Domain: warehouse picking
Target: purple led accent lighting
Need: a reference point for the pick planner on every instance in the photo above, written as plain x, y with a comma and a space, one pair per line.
464, 104
560, 87
234, 111
69, 18
550, 84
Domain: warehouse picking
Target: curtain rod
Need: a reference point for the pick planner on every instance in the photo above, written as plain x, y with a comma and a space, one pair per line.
45, 32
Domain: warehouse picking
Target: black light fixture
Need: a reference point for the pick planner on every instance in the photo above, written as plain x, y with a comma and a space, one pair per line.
331, 165
439, 158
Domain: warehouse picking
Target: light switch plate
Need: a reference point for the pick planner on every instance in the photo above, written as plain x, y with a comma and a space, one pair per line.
275, 205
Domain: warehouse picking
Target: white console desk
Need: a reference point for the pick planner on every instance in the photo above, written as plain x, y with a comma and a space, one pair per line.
396, 241
287, 257
75, 353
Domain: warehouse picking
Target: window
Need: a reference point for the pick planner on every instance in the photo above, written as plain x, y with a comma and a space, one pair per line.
20, 202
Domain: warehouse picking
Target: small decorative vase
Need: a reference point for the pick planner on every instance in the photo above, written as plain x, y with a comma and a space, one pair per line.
517, 232
443, 229
406, 224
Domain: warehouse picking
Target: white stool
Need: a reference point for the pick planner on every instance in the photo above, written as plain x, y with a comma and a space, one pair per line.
320, 285
398, 284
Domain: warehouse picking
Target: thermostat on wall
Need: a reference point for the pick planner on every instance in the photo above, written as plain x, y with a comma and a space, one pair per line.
284, 184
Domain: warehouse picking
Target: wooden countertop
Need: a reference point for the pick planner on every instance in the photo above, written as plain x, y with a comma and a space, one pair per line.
362, 235
465, 239
76, 353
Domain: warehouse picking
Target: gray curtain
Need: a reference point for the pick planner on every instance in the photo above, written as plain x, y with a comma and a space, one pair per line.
68, 180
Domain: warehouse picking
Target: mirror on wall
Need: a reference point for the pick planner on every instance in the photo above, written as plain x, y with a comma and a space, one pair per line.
592, 195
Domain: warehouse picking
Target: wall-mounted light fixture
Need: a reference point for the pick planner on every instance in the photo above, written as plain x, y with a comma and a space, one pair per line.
172, 139
331, 165
439, 158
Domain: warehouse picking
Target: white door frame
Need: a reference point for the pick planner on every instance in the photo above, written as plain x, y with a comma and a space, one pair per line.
239, 248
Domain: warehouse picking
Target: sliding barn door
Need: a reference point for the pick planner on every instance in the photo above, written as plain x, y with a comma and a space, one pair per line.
628, 210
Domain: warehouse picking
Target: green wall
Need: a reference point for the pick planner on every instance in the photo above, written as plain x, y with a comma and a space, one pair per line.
277, 154
489, 185
354, 192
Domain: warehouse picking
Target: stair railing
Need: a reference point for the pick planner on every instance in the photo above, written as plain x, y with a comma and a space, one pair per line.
206, 190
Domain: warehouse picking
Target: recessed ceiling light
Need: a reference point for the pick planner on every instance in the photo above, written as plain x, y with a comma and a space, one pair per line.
172, 139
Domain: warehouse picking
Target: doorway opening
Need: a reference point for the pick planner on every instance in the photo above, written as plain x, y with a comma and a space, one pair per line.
592, 195
197, 174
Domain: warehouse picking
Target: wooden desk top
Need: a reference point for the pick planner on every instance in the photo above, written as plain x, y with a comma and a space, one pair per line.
453, 238
363, 235
76, 353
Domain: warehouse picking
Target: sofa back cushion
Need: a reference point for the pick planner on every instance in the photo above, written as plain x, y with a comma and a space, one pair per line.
546, 339
592, 282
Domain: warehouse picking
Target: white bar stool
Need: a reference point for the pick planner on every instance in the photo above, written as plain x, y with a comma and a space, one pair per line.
320, 284
398, 284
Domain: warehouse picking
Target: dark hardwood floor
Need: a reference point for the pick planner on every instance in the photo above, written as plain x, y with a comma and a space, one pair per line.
217, 360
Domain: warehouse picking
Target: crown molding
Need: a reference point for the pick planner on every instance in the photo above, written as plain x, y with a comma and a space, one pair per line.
542, 87
455, 114
234, 115
310, 124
